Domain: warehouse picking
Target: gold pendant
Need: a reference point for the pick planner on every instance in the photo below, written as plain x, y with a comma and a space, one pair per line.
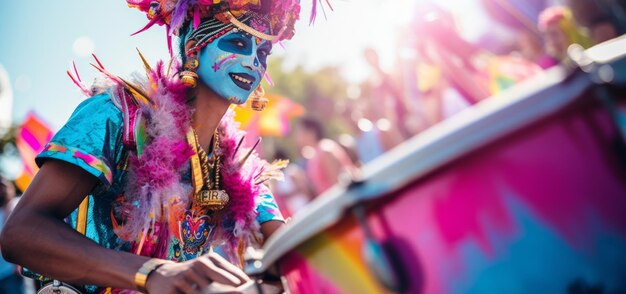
212, 199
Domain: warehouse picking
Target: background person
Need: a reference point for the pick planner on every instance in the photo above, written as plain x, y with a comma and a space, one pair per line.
11, 282
326, 159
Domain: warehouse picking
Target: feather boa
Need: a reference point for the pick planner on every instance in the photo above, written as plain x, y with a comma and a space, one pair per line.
153, 190
155, 194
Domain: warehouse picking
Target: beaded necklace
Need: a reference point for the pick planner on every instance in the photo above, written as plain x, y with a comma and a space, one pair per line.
207, 193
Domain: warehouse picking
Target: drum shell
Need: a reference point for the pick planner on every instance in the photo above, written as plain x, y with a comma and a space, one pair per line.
540, 209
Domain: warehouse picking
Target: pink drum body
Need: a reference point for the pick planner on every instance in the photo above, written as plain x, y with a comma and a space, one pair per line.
539, 209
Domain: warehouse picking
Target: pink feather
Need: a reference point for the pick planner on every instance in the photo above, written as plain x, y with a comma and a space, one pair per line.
109, 75
97, 60
196, 17
313, 12
149, 25
157, 171
268, 78
76, 71
80, 85
330, 6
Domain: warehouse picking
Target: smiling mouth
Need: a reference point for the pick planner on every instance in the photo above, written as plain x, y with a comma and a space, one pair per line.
242, 80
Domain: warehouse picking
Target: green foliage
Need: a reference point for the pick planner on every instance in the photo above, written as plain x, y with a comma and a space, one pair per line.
318, 91
303, 86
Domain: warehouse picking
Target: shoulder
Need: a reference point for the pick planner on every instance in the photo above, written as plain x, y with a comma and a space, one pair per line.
103, 103
267, 208
99, 112
91, 138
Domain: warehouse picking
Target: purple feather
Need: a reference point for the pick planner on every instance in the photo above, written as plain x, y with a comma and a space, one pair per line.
313, 12
180, 14
169, 41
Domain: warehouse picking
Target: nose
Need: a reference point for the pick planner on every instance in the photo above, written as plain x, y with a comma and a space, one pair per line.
251, 63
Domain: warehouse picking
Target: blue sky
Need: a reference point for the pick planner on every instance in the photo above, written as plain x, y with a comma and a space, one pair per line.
38, 44
37, 47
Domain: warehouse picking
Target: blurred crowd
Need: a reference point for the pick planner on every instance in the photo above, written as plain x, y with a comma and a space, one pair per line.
437, 73
10, 279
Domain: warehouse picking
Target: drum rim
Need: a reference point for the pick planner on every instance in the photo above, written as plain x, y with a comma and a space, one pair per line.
467, 131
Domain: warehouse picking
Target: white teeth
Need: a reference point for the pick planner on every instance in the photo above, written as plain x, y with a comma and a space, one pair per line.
242, 79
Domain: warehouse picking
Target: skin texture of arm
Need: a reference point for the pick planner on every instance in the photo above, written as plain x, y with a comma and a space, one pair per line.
35, 235
268, 228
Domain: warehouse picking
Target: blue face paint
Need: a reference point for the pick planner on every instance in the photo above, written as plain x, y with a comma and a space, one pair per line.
233, 65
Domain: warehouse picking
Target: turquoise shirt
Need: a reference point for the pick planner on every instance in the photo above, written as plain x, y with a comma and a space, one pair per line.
92, 140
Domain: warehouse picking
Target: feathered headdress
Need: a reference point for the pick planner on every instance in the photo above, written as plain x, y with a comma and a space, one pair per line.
174, 14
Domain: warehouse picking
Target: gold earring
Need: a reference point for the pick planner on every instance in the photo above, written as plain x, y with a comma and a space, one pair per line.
189, 75
257, 101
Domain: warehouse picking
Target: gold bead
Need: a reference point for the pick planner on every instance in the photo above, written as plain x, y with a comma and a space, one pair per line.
259, 103
188, 78
191, 64
189, 81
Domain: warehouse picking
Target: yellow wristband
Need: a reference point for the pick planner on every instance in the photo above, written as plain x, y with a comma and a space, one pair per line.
141, 277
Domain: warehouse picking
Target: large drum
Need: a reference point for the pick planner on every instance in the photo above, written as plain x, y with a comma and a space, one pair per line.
524, 192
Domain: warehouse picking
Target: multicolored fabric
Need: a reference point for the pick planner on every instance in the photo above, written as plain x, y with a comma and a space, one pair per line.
96, 154
267, 208
92, 140
96, 165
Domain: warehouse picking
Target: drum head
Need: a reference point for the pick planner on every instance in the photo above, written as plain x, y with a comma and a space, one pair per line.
61, 289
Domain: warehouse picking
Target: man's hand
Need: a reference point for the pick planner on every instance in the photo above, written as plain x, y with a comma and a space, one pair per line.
192, 276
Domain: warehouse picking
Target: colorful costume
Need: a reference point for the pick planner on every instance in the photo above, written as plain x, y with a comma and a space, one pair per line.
158, 194
94, 140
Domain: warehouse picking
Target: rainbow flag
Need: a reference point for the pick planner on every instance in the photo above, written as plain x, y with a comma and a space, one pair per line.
31, 137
